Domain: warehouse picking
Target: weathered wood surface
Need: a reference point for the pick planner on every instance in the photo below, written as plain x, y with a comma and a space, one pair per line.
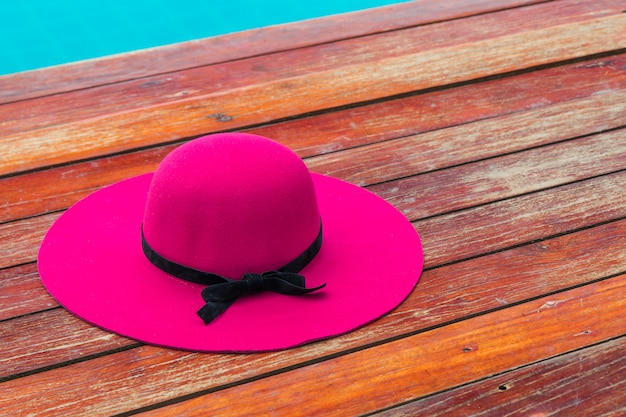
595, 253
170, 59
586, 382
498, 128
457, 353
191, 83
292, 96
580, 86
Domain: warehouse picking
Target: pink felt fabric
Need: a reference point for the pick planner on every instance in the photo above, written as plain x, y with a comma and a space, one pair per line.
91, 261
231, 204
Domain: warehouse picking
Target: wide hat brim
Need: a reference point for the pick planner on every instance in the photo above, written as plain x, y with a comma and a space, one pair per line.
91, 262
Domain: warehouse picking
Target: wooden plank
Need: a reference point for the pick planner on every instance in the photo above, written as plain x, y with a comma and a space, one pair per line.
172, 58
525, 263
20, 240
443, 295
265, 102
507, 176
21, 292
429, 151
363, 125
20, 336
24, 196
147, 92
588, 382
368, 380
496, 226
565, 208
479, 230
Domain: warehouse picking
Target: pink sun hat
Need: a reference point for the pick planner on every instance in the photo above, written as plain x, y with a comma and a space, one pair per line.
232, 245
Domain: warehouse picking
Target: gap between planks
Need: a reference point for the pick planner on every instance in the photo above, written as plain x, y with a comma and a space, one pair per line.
586, 382
96, 102
444, 295
501, 224
290, 97
423, 364
246, 44
468, 143
378, 162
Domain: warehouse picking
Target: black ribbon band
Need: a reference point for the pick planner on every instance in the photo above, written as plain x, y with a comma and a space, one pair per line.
221, 292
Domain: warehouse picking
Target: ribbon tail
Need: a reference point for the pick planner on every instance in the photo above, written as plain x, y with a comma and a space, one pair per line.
290, 286
212, 309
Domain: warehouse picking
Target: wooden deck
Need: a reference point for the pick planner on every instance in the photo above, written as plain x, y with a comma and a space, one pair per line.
498, 127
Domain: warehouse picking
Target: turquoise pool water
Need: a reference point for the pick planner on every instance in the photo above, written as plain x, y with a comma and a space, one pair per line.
41, 33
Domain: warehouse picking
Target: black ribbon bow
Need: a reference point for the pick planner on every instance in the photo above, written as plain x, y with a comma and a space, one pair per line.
222, 292
218, 297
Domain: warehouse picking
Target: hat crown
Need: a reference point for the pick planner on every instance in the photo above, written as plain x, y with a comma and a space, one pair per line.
231, 204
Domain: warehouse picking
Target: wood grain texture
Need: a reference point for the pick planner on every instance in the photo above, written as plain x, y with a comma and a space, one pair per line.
588, 382
511, 222
20, 240
196, 82
444, 295
499, 133
507, 176
425, 363
432, 110
261, 103
483, 139
55, 189
172, 58
21, 292
447, 238
77, 340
